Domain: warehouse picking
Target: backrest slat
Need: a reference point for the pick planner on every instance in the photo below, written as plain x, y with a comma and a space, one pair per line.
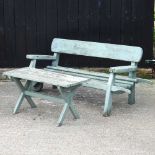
100, 50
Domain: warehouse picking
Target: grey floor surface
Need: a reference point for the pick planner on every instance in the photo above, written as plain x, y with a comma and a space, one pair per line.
129, 131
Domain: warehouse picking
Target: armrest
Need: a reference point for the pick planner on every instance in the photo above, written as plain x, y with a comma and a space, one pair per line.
34, 58
40, 57
123, 69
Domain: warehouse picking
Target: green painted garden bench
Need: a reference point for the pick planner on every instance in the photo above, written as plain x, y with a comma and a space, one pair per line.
112, 82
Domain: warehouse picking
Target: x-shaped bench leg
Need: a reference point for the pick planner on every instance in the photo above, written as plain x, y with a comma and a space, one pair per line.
108, 97
22, 95
67, 95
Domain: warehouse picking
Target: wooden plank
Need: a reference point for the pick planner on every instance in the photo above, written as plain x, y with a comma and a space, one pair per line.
137, 16
93, 29
31, 26
20, 33
63, 27
9, 12
100, 80
89, 27
104, 29
43, 76
51, 21
94, 49
73, 25
126, 23
72, 28
2, 34
105, 17
62, 18
84, 20
115, 21
93, 19
89, 20
41, 26
83, 28
103, 86
90, 73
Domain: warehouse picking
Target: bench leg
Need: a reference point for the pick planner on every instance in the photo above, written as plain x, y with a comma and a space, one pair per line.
22, 95
108, 103
67, 95
18, 103
131, 97
63, 114
108, 97
74, 111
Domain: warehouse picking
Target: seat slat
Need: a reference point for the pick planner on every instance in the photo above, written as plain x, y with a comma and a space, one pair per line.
100, 83
100, 76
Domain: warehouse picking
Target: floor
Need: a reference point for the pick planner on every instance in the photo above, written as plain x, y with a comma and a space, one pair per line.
130, 130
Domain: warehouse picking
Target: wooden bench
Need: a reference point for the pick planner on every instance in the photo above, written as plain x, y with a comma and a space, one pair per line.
112, 82
66, 84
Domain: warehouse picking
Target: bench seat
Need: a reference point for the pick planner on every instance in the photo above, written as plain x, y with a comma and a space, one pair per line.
98, 80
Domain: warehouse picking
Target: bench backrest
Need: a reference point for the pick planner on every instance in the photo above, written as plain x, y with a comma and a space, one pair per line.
94, 49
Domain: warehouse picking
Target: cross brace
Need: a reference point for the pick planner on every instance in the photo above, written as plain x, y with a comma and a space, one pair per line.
66, 98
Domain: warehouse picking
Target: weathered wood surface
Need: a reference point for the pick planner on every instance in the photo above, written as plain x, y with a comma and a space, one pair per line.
94, 49
39, 75
97, 80
102, 76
